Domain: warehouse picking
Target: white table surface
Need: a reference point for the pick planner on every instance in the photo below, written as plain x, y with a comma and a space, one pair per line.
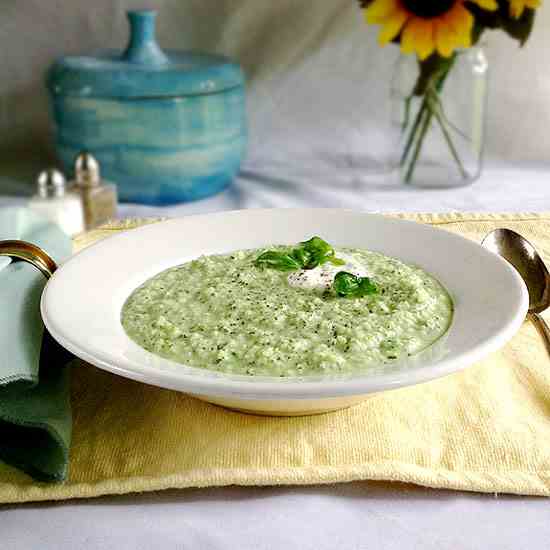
361, 515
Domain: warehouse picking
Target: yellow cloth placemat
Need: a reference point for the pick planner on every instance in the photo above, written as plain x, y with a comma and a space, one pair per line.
484, 429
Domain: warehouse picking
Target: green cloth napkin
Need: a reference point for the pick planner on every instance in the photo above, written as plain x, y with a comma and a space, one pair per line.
35, 413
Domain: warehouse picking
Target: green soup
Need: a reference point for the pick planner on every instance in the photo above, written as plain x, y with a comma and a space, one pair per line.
223, 313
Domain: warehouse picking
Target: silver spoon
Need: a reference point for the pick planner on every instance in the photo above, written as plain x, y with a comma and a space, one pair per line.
523, 256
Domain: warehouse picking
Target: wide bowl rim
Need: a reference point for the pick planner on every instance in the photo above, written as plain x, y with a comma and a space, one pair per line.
256, 388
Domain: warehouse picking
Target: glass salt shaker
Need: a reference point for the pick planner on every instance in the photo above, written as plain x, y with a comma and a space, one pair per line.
55, 201
99, 197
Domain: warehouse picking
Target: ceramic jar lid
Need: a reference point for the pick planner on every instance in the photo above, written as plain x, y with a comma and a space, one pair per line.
143, 70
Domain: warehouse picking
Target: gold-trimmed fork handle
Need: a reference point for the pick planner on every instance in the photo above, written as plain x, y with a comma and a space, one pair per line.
30, 253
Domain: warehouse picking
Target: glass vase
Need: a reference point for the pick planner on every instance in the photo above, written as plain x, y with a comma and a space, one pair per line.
440, 116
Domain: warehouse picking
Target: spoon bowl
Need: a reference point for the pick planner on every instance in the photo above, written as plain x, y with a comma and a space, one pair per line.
523, 256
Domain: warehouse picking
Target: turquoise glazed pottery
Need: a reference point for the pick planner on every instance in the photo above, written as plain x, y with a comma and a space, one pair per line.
166, 126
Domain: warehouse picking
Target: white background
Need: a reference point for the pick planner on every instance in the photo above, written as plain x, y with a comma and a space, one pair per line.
318, 82
356, 516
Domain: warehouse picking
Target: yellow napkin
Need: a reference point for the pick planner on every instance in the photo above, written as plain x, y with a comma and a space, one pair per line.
484, 429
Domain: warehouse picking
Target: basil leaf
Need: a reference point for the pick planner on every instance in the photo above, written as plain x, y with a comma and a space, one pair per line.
345, 284
307, 255
319, 252
281, 261
366, 287
336, 261
316, 243
302, 256
348, 284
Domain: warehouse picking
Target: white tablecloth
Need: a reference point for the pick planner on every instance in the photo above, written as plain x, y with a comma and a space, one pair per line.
349, 516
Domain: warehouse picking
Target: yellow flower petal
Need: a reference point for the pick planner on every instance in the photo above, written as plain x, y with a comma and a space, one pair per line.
425, 44
443, 33
445, 37
418, 36
462, 21
392, 27
517, 6
379, 10
453, 30
489, 5
407, 38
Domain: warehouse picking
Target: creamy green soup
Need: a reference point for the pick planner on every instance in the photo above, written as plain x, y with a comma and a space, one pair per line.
225, 313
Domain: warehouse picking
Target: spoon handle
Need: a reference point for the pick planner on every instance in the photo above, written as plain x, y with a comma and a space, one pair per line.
542, 327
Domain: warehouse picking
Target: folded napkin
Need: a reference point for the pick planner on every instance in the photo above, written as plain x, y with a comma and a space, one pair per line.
484, 429
35, 416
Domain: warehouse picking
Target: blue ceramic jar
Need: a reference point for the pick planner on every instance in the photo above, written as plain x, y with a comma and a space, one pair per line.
167, 127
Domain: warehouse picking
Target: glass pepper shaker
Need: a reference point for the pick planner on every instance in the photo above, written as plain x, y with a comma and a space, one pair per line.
99, 197
57, 202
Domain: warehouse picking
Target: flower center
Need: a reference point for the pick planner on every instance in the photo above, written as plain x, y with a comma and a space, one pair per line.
428, 8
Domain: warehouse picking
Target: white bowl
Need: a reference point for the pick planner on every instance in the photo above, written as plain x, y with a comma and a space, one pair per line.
82, 302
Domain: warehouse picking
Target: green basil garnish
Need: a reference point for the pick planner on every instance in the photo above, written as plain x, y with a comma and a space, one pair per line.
277, 260
307, 255
316, 252
348, 284
310, 254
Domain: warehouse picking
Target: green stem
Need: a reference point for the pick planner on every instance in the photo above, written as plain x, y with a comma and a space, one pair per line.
447, 121
413, 132
418, 147
432, 84
450, 143
407, 113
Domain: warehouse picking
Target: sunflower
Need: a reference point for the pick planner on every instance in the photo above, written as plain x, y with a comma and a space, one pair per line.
517, 6
426, 26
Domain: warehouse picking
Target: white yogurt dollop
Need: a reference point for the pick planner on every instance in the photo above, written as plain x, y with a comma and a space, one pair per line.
321, 277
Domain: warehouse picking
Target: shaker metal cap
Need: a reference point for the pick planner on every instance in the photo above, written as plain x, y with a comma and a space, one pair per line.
87, 171
51, 183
